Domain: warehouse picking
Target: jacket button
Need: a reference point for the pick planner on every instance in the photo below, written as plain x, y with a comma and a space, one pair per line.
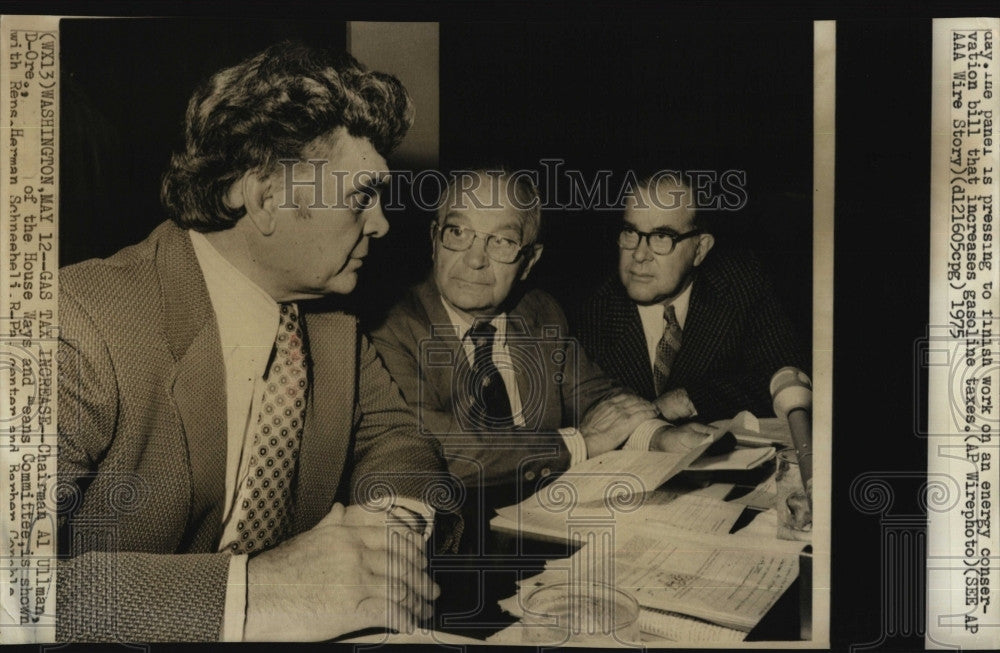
545, 472
529, 475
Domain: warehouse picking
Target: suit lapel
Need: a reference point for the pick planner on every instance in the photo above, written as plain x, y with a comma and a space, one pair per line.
525, 329
708, 320
630, 350
199, 387
447, 344
326, 436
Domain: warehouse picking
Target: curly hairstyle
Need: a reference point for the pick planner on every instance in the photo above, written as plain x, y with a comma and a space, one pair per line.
268, 108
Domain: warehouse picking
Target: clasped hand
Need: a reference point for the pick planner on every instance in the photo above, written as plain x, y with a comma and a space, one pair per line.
608, 424
349, 572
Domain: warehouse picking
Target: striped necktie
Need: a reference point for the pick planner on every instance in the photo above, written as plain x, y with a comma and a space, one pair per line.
666, 350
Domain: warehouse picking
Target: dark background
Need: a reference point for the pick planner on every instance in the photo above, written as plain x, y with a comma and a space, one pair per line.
615, 96
126, 84
642, 95
882, 262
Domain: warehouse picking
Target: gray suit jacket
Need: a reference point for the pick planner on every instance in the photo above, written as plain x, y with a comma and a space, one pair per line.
142, 432
557, 384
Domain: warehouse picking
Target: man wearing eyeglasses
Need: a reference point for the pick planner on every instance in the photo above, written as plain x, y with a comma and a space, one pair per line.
488, 367
698, 333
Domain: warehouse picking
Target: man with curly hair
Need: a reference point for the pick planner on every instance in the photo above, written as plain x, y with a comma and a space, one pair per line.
198, 382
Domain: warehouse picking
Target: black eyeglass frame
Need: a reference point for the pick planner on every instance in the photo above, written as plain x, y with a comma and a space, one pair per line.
674, 238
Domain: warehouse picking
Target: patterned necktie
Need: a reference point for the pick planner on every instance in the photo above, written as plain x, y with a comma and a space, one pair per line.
490, 403
666, 350
263, 506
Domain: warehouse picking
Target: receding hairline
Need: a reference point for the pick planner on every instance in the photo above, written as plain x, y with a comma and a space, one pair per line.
497, 179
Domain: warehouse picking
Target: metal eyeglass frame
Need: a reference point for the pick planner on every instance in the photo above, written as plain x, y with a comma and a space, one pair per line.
485, 235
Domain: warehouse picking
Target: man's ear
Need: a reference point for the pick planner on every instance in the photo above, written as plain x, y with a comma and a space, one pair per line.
434, 240
705, 244
258, 196
530, 259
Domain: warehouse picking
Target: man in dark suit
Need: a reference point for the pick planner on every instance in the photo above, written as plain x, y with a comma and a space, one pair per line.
487, 367
212, 428
698, 333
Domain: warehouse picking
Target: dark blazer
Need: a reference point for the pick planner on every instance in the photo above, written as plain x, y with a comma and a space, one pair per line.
736, 336
142, 433
556, 381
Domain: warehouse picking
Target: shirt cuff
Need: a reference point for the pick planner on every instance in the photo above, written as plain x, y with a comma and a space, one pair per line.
575, 443
414, 513
235, 614
643, 434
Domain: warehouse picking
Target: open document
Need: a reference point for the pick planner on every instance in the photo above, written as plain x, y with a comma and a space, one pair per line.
700, 510
726, 580
624, 487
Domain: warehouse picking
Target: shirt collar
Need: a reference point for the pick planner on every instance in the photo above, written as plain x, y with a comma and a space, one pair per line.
247, 316
653, 312
462, 325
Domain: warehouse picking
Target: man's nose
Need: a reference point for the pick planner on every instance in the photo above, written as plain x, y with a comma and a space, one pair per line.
475, 256
376, 224
642, 252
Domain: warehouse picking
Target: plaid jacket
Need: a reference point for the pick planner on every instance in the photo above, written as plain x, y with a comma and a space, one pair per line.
736, 336
142, 434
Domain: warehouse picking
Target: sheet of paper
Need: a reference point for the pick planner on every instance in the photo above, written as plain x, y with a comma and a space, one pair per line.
537, 514
701, 510
620, 471
751, 431
763, 526
695, 512
681, 628
761, 497
715, 491
737, 459
727, 587
654, 624
425, 637
747, 421
731, 581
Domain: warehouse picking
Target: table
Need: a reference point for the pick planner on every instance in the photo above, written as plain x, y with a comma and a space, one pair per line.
473, 583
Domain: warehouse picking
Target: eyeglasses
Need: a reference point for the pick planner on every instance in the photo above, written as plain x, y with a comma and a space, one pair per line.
499, 248
660, 242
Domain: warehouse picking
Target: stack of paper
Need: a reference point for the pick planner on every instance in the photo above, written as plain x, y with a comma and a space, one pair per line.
699, 510
736, 460
611, 487
653, 625
692, 587
752, 431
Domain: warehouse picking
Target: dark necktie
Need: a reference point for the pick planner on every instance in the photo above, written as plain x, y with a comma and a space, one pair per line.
666, 350
490, 403
263, 505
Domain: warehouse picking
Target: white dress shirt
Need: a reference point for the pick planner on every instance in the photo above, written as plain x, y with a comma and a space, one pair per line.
654, 324
248, 319
248, 322
575, 443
